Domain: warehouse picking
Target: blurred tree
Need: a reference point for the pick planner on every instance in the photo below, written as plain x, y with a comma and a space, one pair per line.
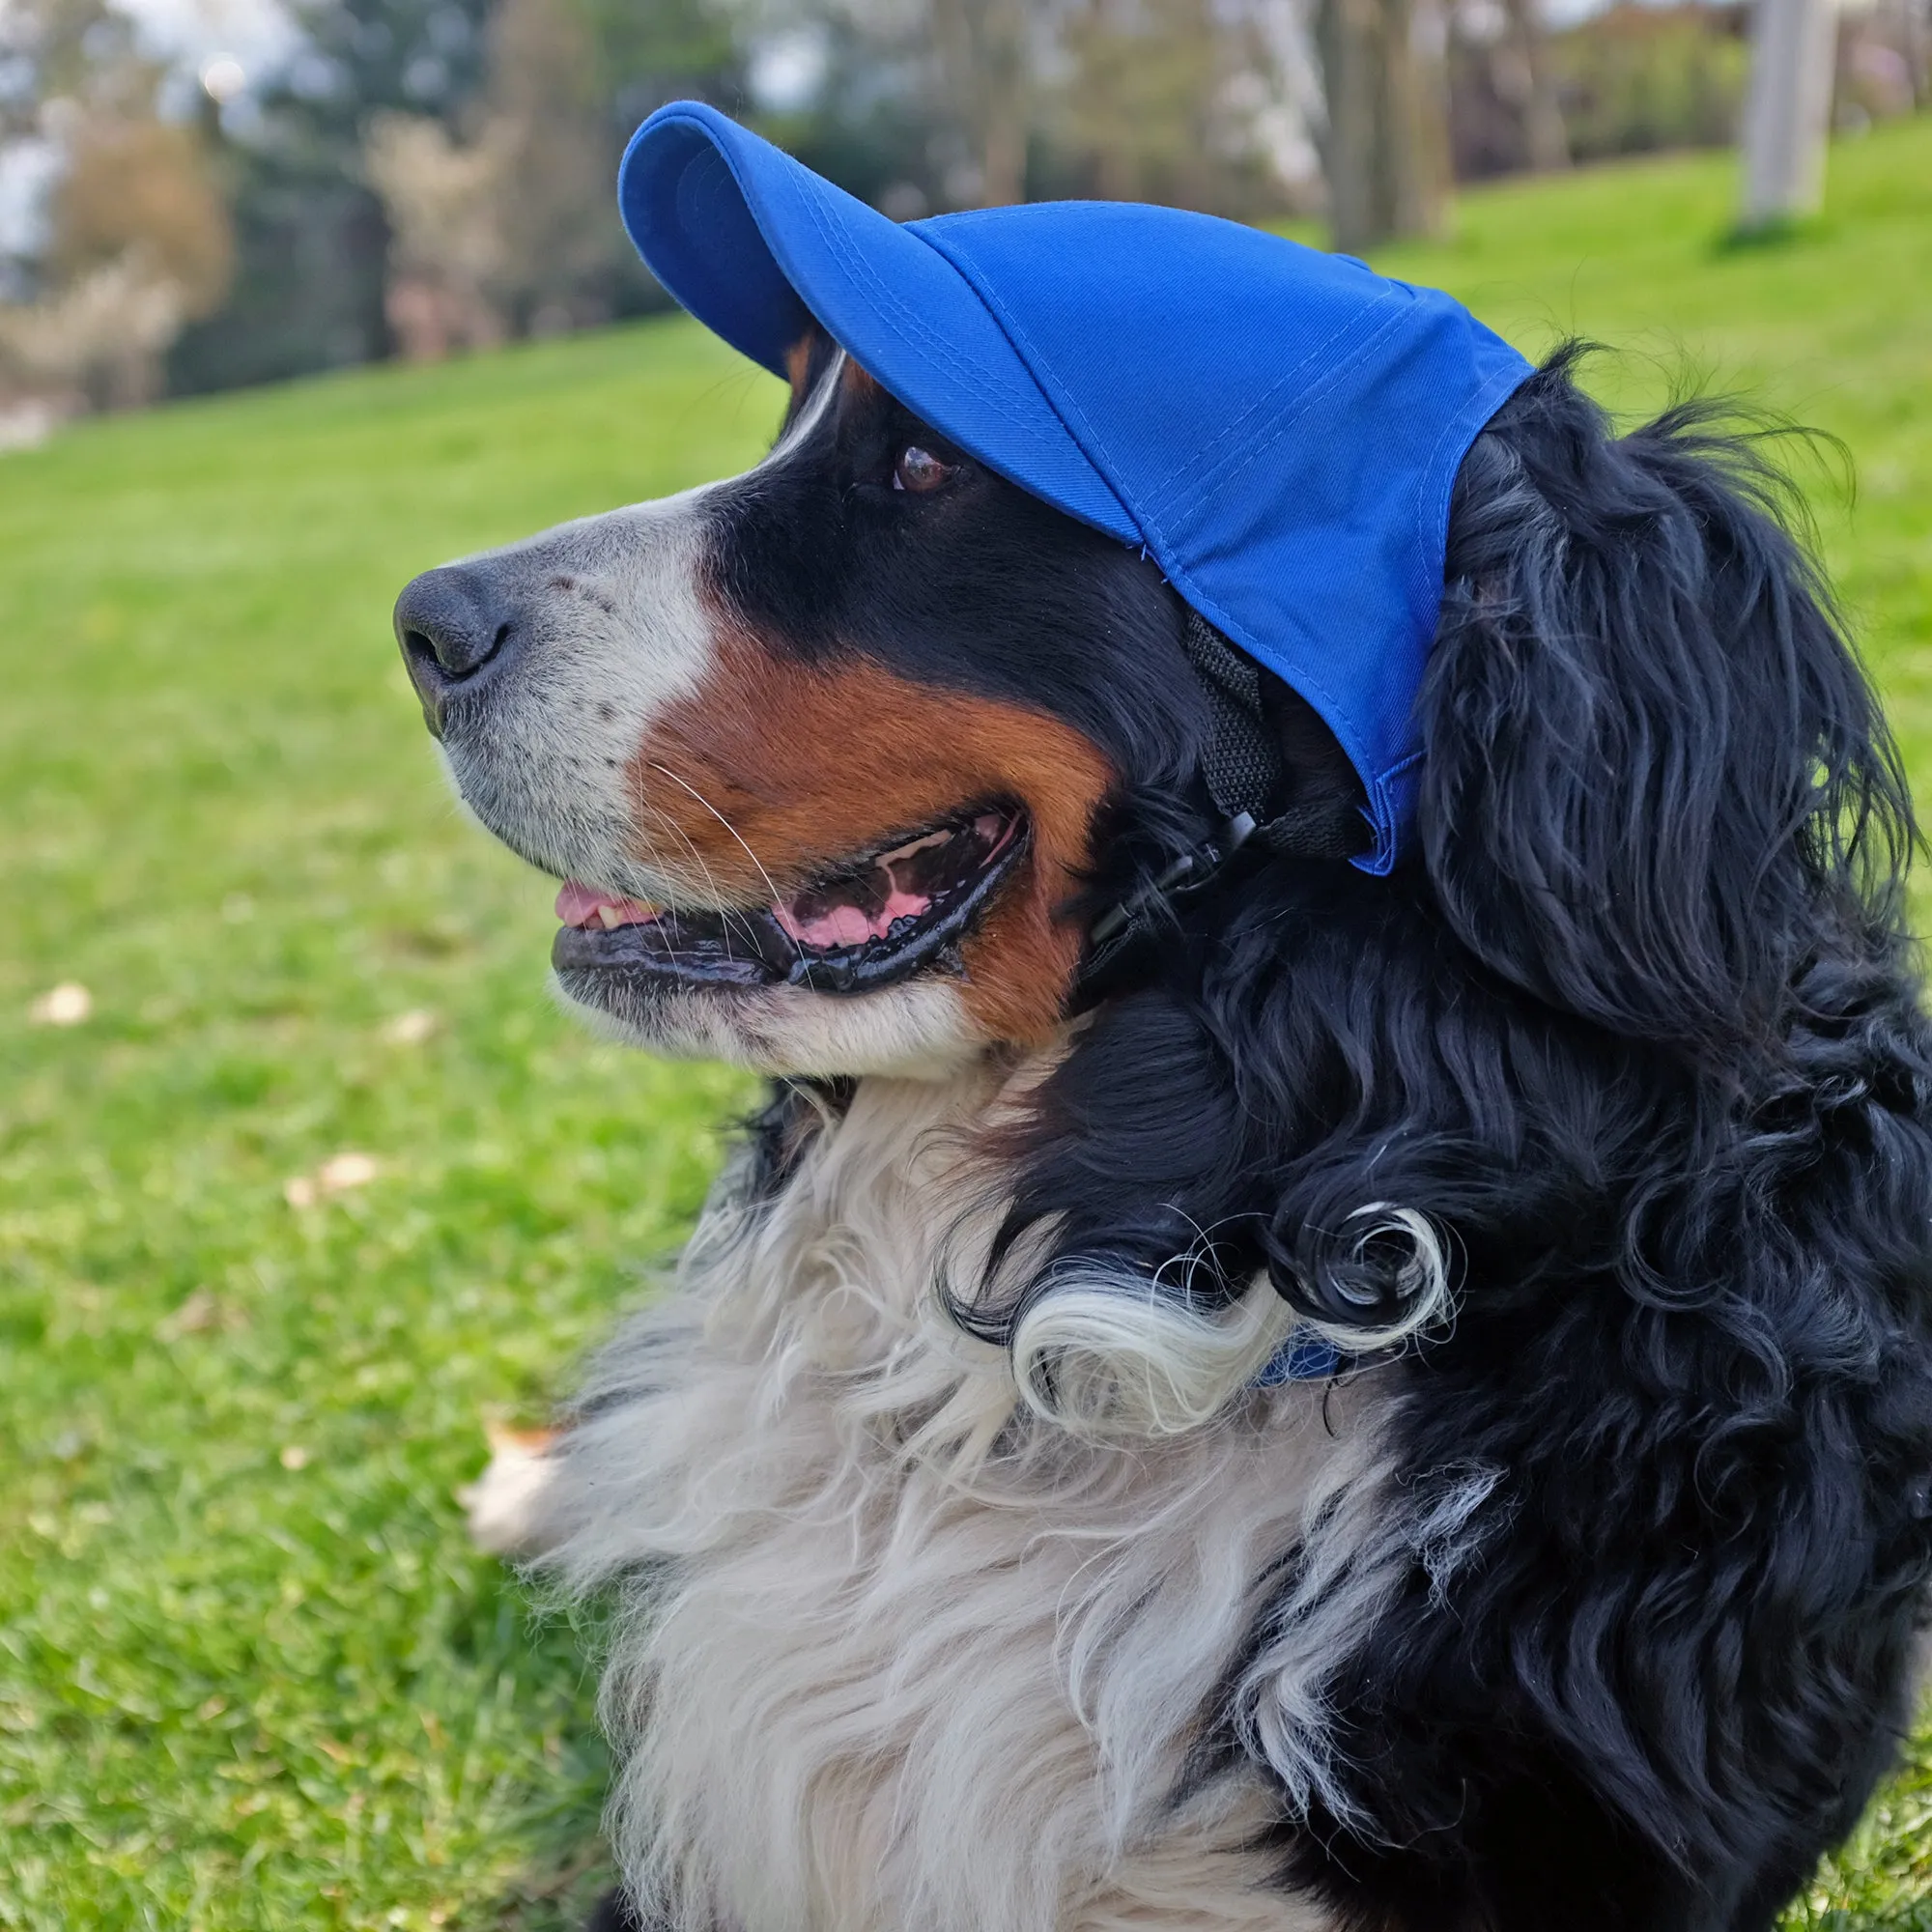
135, 186
310, 234
136, 238
1386, 147
988, 57
647, 52
1166, 101
510, 230
1143, 97
66, 50
1640, 77
1505, 100
1787, 111
938, 103
1532, 86
447, 236
549, 112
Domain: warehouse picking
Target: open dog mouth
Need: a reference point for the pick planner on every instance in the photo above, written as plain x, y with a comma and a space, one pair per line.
861, 925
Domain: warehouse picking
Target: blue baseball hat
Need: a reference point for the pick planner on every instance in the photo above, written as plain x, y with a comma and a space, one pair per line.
1277, 428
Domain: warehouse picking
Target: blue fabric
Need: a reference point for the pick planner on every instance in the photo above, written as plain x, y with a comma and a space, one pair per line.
1277, 428
1304, 1357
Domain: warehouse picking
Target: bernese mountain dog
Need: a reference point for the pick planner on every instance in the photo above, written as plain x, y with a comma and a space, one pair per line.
1221, 1390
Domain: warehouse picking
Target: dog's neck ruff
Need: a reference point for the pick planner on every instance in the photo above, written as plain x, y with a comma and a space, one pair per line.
970, 1654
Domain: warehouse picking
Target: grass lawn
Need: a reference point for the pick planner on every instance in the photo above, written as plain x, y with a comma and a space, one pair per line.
250, 1675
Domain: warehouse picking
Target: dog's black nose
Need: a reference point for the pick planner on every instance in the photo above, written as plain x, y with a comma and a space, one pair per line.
452, 623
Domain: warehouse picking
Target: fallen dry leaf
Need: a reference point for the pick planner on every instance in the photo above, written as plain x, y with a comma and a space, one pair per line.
343, 1170
201, 1311
69, 1004
411, 1028
337, 1175
502, 1504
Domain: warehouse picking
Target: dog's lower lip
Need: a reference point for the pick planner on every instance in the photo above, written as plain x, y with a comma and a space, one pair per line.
857, 928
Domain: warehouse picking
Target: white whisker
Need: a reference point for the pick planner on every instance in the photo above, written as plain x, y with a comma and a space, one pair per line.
771, 885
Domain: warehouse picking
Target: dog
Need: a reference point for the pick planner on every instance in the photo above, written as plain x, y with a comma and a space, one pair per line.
1245, 1393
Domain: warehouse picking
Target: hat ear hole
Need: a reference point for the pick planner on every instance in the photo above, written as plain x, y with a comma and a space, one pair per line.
1321, 808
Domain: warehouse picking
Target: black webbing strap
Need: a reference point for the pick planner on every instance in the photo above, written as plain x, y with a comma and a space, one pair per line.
1242, 767
1243, 762
1255, 794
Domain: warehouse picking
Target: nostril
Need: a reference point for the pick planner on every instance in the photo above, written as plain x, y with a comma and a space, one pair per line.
450, 623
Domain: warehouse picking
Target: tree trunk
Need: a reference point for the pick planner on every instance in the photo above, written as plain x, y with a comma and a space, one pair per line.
983, 44
1545, 139
1788, 111
1386, 151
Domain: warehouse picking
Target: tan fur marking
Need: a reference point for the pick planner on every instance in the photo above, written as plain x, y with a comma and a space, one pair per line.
797, 364
856, 385
774, 771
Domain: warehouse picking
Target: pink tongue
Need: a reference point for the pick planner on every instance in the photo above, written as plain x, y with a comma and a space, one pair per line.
846, 924
585, 906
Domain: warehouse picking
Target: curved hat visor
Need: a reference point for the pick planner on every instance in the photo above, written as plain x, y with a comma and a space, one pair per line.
757, 248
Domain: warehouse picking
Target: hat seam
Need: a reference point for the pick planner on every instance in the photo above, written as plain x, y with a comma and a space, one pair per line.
1237, 461
1335, 713
892, 311
1204, 466
1090, 445
1488, 399
902, 320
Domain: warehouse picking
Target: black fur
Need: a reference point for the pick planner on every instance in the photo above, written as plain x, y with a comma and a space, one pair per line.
1639, 1029
1636, 1024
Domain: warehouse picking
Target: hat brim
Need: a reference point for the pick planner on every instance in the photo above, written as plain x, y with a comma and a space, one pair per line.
757, 247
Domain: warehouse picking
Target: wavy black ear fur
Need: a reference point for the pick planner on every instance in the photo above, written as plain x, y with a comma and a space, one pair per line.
1638, 1031
1651, 751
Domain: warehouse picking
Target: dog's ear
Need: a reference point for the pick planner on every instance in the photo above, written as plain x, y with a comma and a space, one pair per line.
1657, 782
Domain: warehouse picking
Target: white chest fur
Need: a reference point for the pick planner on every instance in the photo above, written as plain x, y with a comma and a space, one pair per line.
893, 1655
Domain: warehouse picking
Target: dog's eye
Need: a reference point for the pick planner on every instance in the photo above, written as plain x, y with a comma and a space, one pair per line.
919, 471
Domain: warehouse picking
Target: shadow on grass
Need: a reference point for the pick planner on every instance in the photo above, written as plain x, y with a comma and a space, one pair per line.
1781, 231
559, 1890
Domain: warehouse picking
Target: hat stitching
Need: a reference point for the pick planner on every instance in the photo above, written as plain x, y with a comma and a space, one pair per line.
1205, 458
1065, 406
903, 321
1237, 460
1481, 405
884, 296
1063, 403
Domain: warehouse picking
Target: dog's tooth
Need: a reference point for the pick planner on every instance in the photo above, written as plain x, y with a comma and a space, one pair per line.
610, 917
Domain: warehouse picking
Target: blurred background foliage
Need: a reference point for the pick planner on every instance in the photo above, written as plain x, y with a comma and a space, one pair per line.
201, 194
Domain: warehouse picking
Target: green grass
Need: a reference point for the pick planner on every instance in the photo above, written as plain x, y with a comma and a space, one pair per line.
250, 1675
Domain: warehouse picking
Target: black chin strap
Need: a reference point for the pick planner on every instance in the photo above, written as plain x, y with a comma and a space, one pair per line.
1243, 762
1242, 767
1244, 772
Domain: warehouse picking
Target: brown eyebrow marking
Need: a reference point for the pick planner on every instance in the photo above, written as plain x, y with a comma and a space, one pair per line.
858, 385
797, 363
